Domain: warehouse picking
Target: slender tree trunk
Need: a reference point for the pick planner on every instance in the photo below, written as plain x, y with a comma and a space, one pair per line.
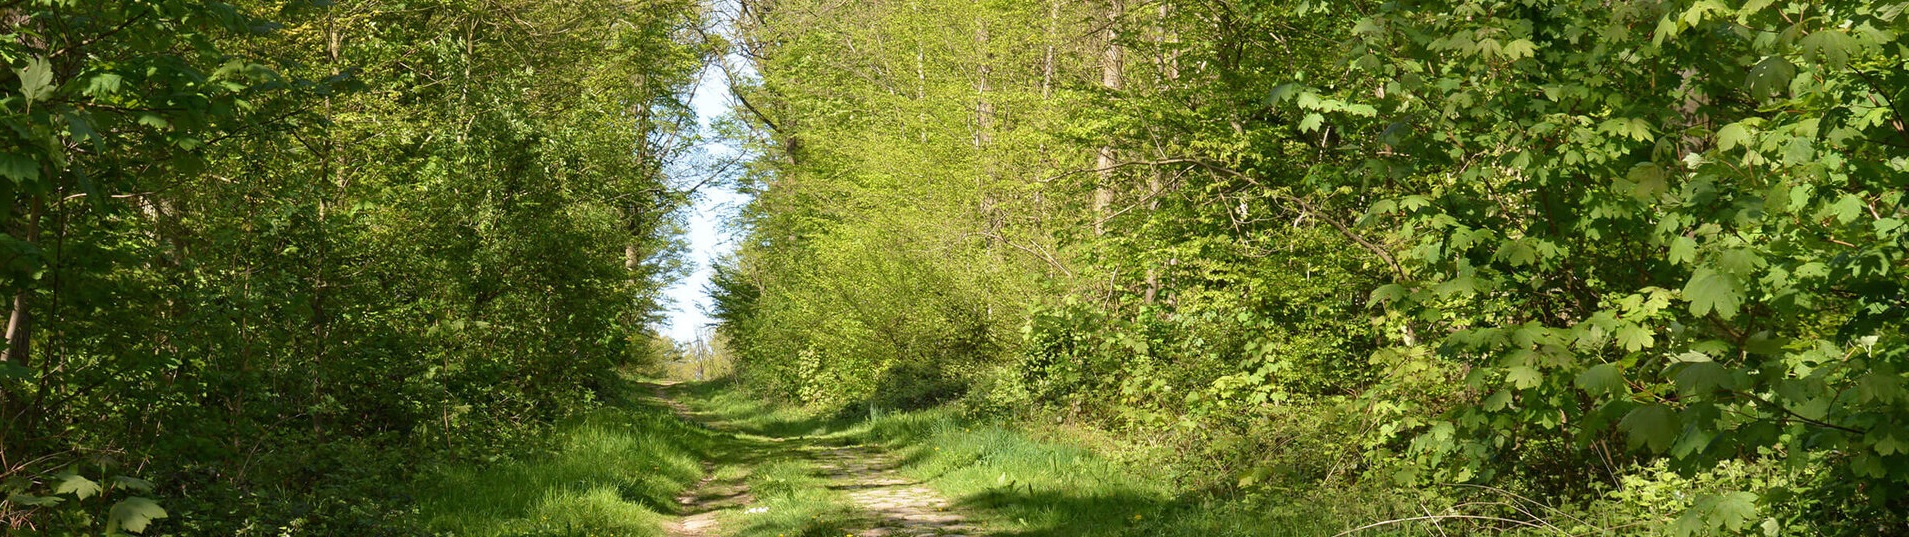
1110, 78
20, 323
984, 109
1047, 61
14, 414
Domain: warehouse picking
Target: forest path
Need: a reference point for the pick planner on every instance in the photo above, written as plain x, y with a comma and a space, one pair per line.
896, 506
860, 480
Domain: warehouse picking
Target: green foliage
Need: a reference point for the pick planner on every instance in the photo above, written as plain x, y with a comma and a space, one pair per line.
277, 256
614, 470
1479, 241
1763, 211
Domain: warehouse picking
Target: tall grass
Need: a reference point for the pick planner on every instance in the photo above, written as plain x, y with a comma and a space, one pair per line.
615, 471
1023, 486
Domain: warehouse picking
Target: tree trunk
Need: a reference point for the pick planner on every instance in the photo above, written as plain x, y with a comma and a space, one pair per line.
20, 323
1110, 78
984, 110
14, 414
1047, 62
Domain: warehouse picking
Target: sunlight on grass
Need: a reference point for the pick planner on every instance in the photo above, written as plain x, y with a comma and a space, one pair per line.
612, 472
792, 500
1026, 487
722, 402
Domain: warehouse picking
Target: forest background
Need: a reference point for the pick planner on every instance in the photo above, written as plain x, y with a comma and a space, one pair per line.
1636, 265
1629, 267
265, 261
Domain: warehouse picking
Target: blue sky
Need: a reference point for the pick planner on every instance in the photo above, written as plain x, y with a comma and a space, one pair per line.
707, 241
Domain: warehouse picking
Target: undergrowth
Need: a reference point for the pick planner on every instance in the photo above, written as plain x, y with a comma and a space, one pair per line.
613, 471
1022, 484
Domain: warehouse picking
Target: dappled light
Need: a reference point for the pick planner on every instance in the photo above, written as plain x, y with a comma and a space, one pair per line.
954, 268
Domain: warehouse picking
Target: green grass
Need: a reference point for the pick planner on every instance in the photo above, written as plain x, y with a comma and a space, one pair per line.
1018, 485
792, 498
795, 502
1008, 480
615, 471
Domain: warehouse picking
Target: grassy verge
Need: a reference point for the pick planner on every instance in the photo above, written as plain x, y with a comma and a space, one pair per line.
614, 471
791, 501
791, 498
1019, 485
1020, 480
617, 471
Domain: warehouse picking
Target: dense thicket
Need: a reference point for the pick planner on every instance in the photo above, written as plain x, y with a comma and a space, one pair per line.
1641, 261
265, 258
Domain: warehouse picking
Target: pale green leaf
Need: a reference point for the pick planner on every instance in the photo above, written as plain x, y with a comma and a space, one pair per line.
1886, 227
1311, 122
1799, 151
1735, 510
1683, 250
19, 168
1386, 294
34, 501
1634, 338
133, 514
1520, 48
1829, 46
102, 84
1846, 208
1602, 379
1712, 291
1523, 377
1498, 401
1751, 7
1880, 387
1666, 29
36, 79
1648, 181
1732, 135
76, 485
133, 483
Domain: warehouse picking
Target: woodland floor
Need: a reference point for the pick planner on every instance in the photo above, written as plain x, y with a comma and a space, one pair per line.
843, 486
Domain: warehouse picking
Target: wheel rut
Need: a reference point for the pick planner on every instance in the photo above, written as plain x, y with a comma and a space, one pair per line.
894, 505
886, 502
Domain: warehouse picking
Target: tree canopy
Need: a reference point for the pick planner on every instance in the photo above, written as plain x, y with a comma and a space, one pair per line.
265, 258
1555, 247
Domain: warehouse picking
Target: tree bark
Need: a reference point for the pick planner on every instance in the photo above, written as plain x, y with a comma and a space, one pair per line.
1110, 79
20, 322
1047, 61
984, 110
